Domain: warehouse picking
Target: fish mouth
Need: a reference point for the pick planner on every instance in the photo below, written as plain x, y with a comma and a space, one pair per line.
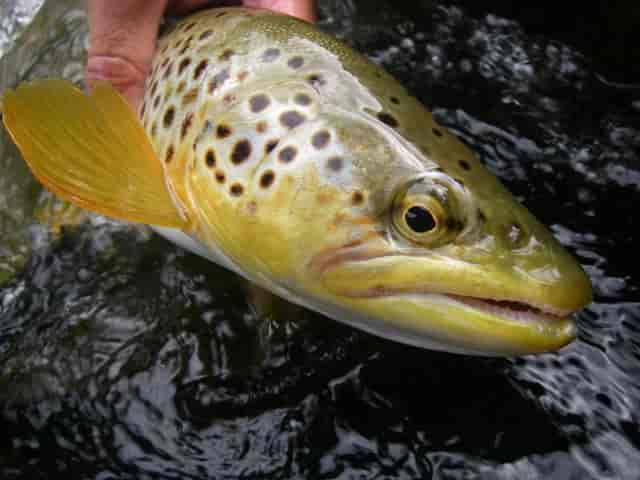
452, 308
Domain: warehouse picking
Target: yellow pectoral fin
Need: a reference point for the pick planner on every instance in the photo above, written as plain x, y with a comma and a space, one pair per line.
91, 150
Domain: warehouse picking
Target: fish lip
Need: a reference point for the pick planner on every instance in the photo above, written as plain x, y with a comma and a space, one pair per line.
354, 253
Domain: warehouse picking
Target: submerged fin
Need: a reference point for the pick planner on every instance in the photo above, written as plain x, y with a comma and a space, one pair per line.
91, 150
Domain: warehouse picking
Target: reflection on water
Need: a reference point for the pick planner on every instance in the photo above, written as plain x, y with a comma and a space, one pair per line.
123, 357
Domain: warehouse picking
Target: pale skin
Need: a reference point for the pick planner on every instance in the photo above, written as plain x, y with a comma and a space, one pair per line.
123, 34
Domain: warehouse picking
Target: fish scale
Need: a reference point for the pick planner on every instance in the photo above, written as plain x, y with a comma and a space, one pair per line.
273, 149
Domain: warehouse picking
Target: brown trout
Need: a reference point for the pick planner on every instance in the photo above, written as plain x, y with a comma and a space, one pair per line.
275, 150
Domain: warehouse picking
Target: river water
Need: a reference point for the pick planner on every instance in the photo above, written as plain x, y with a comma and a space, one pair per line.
122, 356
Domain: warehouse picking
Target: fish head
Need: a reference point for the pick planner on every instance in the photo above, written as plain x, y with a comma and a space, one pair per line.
447, 255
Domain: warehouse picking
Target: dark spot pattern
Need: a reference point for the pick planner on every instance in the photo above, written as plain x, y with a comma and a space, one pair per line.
186, 125
223, 131
154, 87
464, 165
143, 109
395, 100
168, 71
226, 55
388, 119
481, 216
169, 154
320, 139
199, 69
154, 129
241, 151
210, 158
270, 54
206, 34
316, 80
357, 198
261, 127
221, 14
156, 101
267, 178
291, 119
169, 115
335, 163
302, 99
287, 154
220, 176
218, 79
270, 146
183, 65
295, 62
236, 190
181, 87
436, 132
259, 102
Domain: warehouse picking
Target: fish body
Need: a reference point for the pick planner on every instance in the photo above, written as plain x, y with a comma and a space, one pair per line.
278, 152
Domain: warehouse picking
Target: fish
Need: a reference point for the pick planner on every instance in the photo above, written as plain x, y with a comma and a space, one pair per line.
272, 148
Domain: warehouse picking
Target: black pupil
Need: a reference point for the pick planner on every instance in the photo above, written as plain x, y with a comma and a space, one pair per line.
419, 219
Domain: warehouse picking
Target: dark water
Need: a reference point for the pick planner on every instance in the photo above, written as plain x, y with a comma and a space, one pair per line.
123, 357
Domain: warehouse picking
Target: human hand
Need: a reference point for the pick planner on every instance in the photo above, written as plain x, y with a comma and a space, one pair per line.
123, 33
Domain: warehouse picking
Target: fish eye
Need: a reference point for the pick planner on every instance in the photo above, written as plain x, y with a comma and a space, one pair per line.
419, 219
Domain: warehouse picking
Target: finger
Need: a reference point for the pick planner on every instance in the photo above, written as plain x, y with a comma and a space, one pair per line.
304, 9
122, 39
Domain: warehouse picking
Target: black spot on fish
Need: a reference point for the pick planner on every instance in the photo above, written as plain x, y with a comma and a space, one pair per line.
481, 216
143, 109
357, 198
261, 127
295, 62
199, 69
223, 131
186, 125
169, 115
226, 55
206, 34
270, 54
268, 148
291, 119
154, 87
320, 139
302, 99
267, 179
221, 14
210, 158
236, 190
335, 163
287, 154
220, 176
316, 80
168, 70
183, 65
241, 151
464, 165
394, 100
218, 79
169, 154
259, 102
436, 132
388, 119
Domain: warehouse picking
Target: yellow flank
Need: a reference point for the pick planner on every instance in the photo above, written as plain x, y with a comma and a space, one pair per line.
91, 150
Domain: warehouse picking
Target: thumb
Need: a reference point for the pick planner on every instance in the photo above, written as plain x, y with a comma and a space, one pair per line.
122, 39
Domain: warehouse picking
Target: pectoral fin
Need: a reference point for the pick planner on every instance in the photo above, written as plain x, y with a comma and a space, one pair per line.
91, 150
